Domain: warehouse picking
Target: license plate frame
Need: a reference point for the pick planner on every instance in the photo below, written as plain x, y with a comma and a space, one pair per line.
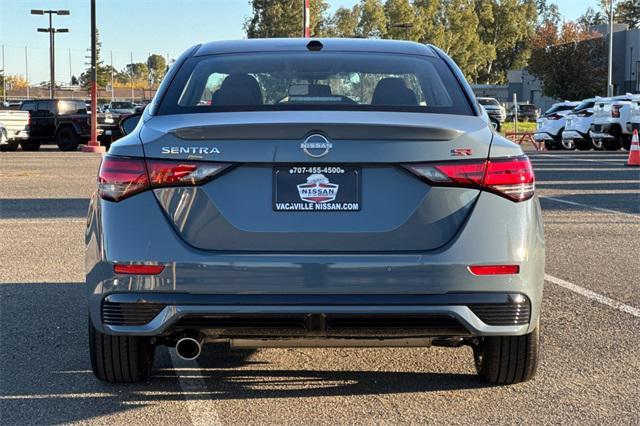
316, 188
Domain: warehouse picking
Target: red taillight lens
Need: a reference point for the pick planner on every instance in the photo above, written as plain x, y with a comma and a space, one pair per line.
585, 114
138, 269
554, 117
615, 111
512, 178
121, 177
494, 269
172, 173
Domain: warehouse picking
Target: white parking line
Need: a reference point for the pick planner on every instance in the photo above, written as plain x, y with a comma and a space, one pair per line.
588, 206
43, 221
593, 295
201, 412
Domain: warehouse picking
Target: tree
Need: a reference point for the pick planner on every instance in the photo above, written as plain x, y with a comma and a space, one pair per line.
548, 12
157, 67
591, 18
283, 18
628, 12
401, 20
506, 27
344, 22
429, 17
570, 62
373, 21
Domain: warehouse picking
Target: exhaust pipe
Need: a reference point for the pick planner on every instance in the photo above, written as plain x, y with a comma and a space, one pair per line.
189, 348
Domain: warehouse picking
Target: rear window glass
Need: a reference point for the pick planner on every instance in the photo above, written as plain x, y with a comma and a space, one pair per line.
315, 80
488, 102
557, 108
584, 105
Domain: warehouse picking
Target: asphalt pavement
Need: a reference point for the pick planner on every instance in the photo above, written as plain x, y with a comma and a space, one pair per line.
589, 373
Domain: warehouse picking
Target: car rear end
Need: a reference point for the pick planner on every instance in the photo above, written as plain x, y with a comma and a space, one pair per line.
549, 127
577, 125
336, 193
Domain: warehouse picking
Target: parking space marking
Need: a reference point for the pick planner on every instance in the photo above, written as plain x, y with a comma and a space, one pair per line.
588, 206
600, 298
43, 221
200, 413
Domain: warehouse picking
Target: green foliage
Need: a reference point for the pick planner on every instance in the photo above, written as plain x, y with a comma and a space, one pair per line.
571, 70
628, 12
373, 22
157, 66
283, 18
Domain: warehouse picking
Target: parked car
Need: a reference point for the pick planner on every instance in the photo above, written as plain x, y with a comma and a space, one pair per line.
15, 125
493, 108
315, 210
526, 112
611, 120
634, 119
67, 122
577, 125
120, 107
549, 127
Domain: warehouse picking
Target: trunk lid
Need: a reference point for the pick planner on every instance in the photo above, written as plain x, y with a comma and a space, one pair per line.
239, 210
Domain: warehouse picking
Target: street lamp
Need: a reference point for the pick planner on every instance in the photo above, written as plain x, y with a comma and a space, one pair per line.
610, 56
52, 31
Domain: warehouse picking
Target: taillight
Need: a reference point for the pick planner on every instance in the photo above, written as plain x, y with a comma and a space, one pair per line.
121, 177
511, 178
554, 117
179, 173
615, 111
584, 114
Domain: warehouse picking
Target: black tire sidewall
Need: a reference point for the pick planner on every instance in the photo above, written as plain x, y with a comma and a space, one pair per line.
71, 142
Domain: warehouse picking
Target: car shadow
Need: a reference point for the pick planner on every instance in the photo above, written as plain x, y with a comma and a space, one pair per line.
46, 374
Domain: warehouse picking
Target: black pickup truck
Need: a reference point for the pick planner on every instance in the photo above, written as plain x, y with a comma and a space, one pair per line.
65, 121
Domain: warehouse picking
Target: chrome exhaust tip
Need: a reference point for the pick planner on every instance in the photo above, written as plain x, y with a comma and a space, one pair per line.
189, 348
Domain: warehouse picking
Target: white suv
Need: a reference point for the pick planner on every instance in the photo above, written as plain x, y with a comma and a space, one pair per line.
611, 120
577, 126
550, 126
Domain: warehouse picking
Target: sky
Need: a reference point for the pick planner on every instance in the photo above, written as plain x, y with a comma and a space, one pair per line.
132, 28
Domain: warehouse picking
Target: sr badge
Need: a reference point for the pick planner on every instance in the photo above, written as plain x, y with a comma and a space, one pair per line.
318, 189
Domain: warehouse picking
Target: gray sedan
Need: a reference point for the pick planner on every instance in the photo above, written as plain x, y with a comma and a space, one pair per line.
297, 193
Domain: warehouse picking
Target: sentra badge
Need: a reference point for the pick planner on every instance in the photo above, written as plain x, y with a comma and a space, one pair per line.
191, 150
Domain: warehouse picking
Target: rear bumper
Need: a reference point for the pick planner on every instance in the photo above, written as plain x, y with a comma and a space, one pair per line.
543, 136
574, 135
314, 316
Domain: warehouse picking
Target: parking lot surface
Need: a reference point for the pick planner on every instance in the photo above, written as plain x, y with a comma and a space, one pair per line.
590, 369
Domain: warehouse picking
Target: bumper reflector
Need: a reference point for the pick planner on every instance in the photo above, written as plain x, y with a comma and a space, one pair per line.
138, 269
494, 269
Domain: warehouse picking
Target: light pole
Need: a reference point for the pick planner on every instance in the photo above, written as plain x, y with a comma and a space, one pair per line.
52, 31
306, 19
610, 65
93, 145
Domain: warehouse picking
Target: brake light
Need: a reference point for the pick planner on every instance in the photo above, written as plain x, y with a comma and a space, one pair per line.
122, 177
615, 111
584, 114
511, 178
138, 269
177, 173
554, 117
494, 269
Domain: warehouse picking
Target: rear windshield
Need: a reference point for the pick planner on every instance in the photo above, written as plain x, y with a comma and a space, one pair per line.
488, 101
584, 105
121, 105
557, 108
316, 81
527, 107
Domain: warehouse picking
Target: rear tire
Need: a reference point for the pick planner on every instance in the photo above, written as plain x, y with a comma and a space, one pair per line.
30, 145
10, 146
583, 144
67, 139
505, 360
626, 142
598, 145
120, 359
612, 144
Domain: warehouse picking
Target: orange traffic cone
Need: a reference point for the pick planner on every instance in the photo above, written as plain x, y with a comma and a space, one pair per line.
634, 152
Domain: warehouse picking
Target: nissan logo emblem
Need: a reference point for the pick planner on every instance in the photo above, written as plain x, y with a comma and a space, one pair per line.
316, 146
